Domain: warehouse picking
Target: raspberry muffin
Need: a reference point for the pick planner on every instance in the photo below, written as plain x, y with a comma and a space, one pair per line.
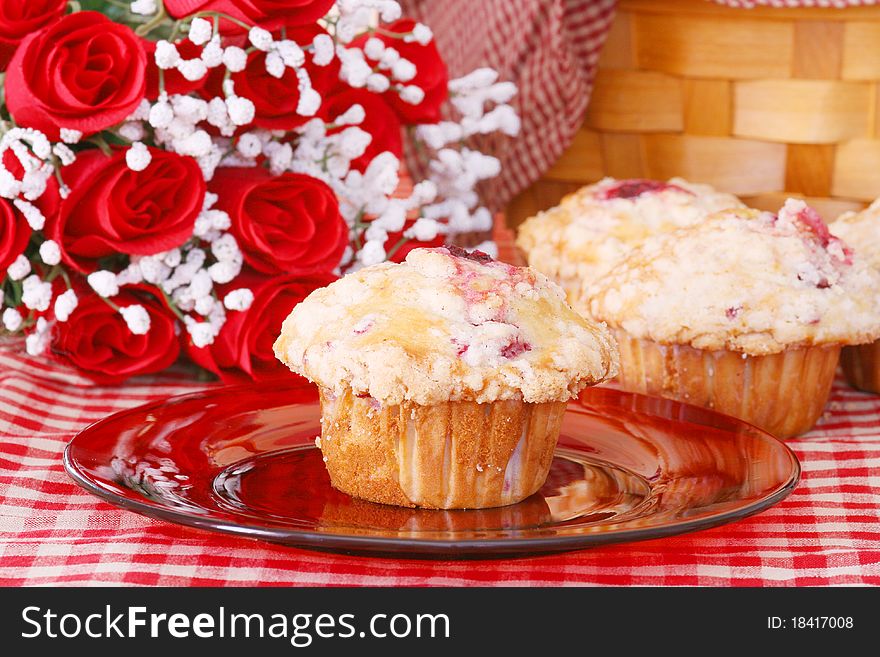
577, 241
745, 313
861, 363
443, 379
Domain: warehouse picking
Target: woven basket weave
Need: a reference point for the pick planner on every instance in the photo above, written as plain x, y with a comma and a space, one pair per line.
763, 103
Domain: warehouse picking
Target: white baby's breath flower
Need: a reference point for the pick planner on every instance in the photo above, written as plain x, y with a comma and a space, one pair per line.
37, 342
226, 248
200, 31
423, 229
309, 102
166, 55
354, 115
143, 7
378, 83
131, 275
260, 39
275, 65
196, 144
249, 145
212, 53
19, 268
64, 153
241, 110
138, 157
403, 70
224, 271
412, 94
422, 34
31, 212
172, 258
136, 318
153, 269
201, 284
389, 56
204, 305
374, 47
290, 52
10, 186
234, 59
240, 299
192, 69
161, 115
202, 334
12, 320
65, 304
104, 283
50, 252
372, 253
324, 50
36, 294
70, 136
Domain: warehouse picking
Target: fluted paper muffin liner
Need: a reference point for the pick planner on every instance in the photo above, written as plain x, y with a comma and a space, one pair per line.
783, 393
453, 455
861, 365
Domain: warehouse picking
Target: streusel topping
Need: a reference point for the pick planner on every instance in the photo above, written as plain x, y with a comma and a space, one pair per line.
746, 281
861, 230
580, 239
446, 325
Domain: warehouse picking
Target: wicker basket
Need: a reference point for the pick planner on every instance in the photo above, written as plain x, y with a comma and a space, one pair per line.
763, 103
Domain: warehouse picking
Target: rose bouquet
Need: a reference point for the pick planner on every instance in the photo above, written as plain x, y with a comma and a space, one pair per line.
176, 175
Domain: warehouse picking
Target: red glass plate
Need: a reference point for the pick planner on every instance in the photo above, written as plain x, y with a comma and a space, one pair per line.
242, 460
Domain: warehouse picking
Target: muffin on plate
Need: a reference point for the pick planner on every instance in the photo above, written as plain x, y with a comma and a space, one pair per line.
745, 313
443, 379
581, 238
861, 363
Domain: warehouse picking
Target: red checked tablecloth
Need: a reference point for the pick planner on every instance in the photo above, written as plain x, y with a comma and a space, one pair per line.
54, 533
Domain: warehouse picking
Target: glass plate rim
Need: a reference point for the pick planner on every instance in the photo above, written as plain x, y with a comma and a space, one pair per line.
423, 547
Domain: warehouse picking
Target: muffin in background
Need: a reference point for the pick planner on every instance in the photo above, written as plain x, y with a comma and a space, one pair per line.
745, 313
581, 238
861, 363
443, 379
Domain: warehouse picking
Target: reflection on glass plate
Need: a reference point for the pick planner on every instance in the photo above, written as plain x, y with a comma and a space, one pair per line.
242, 460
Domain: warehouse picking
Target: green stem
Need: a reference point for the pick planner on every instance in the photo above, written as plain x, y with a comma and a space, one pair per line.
155, 22
221, 15
394, 249
170, 303
101, 143
109, 303
388, 33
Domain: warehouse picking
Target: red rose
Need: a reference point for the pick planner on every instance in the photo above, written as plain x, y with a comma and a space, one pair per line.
18, 19
83, 72
14, 235
379, 120
294, 12
175, 83
113, 209
431, 75
287, 224
276, 99
97, 341
243, 349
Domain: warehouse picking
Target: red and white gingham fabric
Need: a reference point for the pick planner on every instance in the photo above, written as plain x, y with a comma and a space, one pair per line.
549, 48
54, 533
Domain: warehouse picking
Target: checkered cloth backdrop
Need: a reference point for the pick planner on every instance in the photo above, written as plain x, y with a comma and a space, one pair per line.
53, 533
